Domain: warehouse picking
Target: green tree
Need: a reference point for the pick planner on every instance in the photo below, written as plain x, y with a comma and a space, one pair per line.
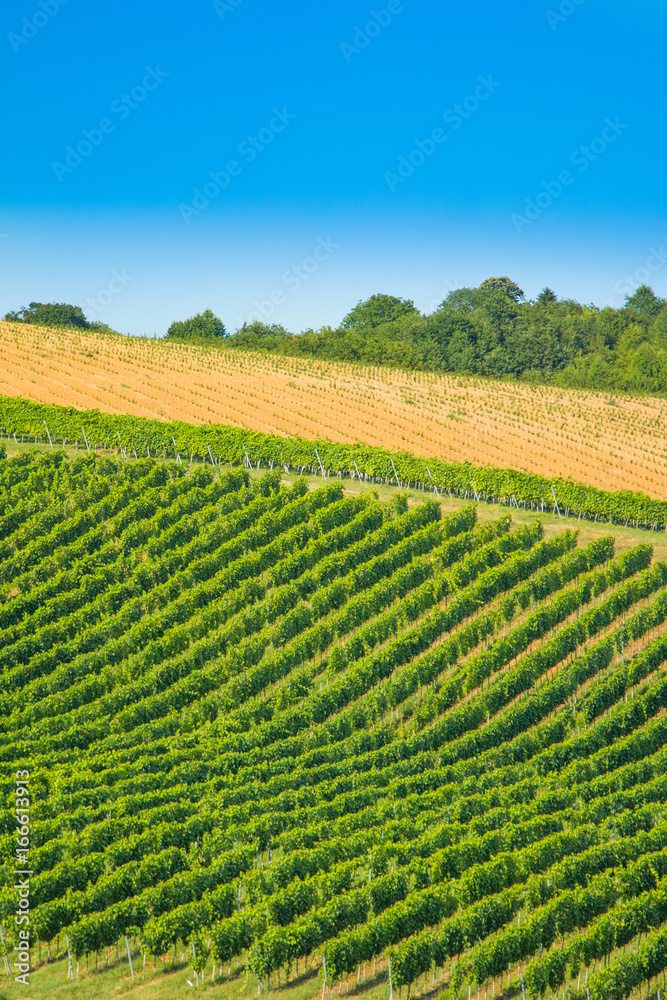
632, 338
497, 310
595, 371
578, 329
462, 346
528, 348
547, 296
461, 300
202, 326
644, 301
49, 314
609, 327
659, 330
504, 285
647, 369
375, 311
261, 336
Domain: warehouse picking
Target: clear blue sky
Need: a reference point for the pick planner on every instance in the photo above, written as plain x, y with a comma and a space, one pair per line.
312, 107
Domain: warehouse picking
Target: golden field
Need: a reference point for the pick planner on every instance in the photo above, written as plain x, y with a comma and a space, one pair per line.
609, 442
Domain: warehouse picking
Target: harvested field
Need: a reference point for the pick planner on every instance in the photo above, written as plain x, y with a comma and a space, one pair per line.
608, 442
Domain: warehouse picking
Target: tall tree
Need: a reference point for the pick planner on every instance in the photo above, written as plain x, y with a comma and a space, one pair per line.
645, 301
547, 296
375, 311
204, 325
504, 285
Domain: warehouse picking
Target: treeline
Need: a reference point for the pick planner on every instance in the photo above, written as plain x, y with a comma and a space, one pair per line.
493, 330
62, 315
56, 314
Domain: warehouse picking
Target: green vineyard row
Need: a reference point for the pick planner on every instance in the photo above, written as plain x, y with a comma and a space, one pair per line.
292, 729
226, 444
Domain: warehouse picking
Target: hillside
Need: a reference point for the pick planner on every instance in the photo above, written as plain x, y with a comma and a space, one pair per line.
491, 330
271, 731
608, 442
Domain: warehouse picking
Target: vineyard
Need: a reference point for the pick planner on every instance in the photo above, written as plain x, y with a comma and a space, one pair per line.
24, 422
274, 738
604, 442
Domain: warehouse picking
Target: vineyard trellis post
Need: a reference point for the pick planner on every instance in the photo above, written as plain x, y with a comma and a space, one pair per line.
324, 475
123, 451
129, 957
247, 457
48, 433
70, 970
356, 469
398, 481
435, 486
194, 955
2, 938
556, 502
83, 431
325, 985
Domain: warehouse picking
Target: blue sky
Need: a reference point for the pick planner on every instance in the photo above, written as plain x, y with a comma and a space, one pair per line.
406, 147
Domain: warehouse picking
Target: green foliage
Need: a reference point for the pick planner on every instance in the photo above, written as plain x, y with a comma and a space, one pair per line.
51, 314
202, 326
227, 445
489, 330
504, 285
492, 330
376, 311
547, 297
399, 503
645, 301
273, 723
260, 337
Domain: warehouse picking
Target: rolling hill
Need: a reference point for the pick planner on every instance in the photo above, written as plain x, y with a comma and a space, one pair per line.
608, 442
271, 734
264, 738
